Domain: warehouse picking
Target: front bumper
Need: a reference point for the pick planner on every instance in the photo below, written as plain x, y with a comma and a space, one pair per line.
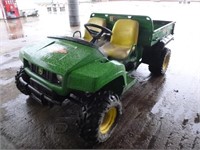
40, 93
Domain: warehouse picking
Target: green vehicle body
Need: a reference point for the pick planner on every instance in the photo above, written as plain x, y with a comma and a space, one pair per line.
89, 73
62, 66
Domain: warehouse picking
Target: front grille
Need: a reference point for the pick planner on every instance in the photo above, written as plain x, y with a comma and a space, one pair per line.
41, 72
47, 75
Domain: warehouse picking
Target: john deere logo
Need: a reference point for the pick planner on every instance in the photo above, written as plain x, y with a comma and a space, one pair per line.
40, 71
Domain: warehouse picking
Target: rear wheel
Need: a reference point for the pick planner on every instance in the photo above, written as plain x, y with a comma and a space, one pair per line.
160, 62
99, 117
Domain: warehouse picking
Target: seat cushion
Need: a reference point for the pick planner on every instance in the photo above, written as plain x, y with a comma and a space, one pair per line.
116, 51
123, 40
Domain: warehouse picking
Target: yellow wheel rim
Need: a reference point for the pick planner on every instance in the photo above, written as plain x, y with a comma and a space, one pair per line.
165, 63
108, 120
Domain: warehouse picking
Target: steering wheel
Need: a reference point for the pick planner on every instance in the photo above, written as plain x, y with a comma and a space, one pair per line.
96, 34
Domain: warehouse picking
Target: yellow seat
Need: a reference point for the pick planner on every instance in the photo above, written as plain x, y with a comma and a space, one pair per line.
94, 20
123, 40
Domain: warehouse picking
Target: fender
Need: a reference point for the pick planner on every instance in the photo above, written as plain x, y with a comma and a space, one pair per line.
96, 75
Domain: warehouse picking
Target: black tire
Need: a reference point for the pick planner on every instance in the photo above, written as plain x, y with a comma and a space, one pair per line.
160, 62
99, 117
21, 73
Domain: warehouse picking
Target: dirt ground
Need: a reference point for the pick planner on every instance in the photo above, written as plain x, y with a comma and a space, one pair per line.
158, 112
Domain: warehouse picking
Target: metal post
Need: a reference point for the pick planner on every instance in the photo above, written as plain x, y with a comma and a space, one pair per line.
73, 13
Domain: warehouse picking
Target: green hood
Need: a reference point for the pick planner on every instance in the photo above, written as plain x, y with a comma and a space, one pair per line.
61, 55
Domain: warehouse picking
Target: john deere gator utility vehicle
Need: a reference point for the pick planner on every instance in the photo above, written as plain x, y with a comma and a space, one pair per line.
94, 70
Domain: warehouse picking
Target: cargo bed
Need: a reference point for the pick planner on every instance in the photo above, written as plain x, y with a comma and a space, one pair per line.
162, 29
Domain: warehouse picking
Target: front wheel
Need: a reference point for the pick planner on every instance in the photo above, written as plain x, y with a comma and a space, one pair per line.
160, 62
99, 117
21, 74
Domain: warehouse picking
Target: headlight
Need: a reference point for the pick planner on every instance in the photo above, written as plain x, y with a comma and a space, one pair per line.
60, 78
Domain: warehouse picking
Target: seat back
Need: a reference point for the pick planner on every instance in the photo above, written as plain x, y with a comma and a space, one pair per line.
125, 32
94, 20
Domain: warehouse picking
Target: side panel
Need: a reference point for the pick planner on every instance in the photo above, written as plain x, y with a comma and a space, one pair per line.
94, 76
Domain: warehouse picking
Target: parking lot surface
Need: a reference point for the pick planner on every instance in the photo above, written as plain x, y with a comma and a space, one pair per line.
158, 112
